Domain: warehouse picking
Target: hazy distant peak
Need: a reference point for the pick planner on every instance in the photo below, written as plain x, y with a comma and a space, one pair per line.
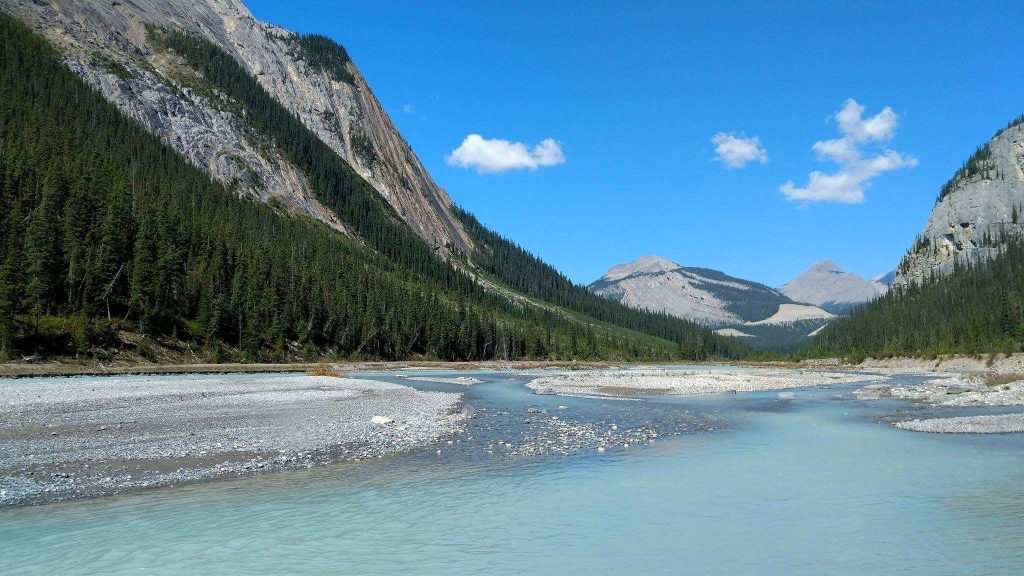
827, 285
885, 279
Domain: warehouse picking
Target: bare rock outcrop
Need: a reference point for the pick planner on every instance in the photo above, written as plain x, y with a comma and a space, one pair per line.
976, 213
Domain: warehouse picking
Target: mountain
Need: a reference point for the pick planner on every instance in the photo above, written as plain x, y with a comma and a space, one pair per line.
975, 309
826, 285
700, 294
161, 192
758, 315
111, 46
977, 210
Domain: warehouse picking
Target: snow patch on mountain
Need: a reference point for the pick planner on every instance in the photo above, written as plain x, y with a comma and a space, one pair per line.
816, 331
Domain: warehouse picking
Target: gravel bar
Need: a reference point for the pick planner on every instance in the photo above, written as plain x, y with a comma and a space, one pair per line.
618, 383
64, 438
987, 424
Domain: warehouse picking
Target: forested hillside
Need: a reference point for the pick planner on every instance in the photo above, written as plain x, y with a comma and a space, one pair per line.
104, 228
976, 309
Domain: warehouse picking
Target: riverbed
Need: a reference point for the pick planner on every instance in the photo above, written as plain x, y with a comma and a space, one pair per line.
809, 480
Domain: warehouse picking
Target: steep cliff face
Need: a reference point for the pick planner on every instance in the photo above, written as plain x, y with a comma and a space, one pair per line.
107, 43
976, 212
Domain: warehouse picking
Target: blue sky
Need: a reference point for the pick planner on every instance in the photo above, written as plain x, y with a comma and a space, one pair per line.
632, 94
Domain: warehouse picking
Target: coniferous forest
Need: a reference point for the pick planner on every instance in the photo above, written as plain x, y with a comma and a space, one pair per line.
979, 308
104, 229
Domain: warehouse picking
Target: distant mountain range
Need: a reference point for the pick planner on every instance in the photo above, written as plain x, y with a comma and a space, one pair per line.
768, 317
826, 285
700, 294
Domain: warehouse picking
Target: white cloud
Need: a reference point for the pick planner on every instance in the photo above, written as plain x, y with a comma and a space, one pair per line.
736, 151
856, 171
496, 155
408, 109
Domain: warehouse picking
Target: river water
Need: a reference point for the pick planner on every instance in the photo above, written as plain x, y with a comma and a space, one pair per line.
752, 484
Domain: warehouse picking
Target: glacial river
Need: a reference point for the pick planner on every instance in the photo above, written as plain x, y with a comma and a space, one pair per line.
754, 484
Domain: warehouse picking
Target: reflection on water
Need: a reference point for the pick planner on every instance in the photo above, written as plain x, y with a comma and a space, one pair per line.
811, 486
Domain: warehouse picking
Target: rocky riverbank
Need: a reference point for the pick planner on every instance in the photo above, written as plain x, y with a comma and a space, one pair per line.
961, 391
952, 390
79, 437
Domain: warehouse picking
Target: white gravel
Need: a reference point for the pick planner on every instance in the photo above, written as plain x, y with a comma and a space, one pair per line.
988, 424
711, 381
68, 437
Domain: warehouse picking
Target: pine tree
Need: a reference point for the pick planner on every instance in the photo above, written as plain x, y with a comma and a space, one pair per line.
7, 327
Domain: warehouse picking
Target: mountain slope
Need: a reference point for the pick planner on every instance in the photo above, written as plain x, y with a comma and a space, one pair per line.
699, 294
826, 285
976, 211
103, 227
789, 313
108, 44
410, 303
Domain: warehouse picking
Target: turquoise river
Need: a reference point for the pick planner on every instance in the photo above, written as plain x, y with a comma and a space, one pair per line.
820, 484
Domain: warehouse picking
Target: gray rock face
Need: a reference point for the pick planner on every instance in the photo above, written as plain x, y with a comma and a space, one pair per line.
161, 92
700, 294
982, 209
825, 284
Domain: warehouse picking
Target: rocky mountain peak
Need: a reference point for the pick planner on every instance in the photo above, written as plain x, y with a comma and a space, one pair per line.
700, 294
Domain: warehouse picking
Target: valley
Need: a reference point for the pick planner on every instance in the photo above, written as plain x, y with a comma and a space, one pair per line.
245, 328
